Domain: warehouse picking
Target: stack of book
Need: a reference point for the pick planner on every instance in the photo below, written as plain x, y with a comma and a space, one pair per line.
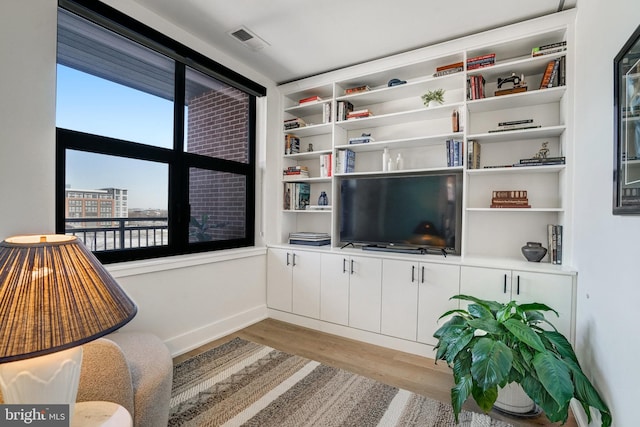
345, 161
475, 87
344, 108
309, 238
515, 125
326, 165
473, 154
363, 139
294, 123
454, 153
296, 196
293, 173
544, 161
445, 70
309, 99
291, 144
509, 199
548, 49
356, 89
554, 73
358, 114
481, 61
554, 233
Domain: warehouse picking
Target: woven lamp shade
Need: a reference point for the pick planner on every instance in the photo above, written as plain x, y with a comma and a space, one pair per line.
54, 295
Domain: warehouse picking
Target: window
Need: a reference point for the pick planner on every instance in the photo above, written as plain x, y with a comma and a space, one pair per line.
154, 139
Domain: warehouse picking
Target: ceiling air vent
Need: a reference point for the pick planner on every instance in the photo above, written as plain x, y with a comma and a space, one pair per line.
247, 38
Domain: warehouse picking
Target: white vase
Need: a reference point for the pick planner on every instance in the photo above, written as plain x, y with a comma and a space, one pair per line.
434, 103
513, 400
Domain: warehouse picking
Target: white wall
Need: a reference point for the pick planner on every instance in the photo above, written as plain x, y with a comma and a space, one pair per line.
184, 300
606, 246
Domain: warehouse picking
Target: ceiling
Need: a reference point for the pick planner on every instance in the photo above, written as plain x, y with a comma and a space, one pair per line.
307, 37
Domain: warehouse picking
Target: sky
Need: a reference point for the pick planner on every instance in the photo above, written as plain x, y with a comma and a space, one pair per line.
89, 104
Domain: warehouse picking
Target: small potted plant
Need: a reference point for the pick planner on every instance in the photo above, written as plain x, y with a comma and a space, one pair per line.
433, 98
491, 345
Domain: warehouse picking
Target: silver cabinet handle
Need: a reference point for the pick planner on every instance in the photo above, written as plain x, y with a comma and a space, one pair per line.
294, 260
423, 274
505, 284
344, 265
288, 258
351, 266
413, 273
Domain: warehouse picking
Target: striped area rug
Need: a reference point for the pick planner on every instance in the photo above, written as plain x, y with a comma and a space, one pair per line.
241, 383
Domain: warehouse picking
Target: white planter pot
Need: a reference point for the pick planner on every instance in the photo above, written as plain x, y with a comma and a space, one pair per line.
513, 400
434, 103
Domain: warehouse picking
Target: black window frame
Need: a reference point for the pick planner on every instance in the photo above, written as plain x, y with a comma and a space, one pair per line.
179, 161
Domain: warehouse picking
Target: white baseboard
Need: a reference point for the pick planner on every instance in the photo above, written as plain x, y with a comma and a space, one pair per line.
406, 346
218, 329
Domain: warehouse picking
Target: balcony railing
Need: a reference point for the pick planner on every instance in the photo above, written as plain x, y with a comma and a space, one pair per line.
105, 234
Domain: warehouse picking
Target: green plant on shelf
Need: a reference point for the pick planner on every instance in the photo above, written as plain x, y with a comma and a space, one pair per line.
433, 95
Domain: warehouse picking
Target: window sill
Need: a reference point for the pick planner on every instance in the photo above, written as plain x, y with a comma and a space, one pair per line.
134, 268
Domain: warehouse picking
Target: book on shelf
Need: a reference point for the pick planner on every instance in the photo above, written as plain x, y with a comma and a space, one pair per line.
326, 113
554, 236
293, 173
559, 160
515, 122
473, 154
309, 238
359, 114
296, 195
454, 153
326, 161
345, 161
309, 99
459, 64
363, 139
510, 128
356, 89
475, 87
294, 123
344, 108
548, 49
509, 199
551, 78
448, 71
481, 61
319, 207
291, 144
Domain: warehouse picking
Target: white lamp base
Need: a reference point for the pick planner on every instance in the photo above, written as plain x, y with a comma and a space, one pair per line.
49, 379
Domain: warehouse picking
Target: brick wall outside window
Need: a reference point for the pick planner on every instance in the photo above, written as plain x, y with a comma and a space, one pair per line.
217, 127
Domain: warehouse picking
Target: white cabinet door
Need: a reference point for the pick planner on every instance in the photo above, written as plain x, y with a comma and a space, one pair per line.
400, 298
306, 283
365, 284
334, 288
485, 283
279, 282
438, 283
554, 290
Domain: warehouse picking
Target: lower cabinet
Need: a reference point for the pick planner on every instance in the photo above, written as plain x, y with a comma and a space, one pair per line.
293, 279
402, 299
414, 295
554, 290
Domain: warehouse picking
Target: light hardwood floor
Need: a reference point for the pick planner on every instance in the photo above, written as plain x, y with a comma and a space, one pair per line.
414, 373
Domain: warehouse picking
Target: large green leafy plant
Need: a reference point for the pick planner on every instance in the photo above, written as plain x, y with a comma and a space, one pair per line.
490, 345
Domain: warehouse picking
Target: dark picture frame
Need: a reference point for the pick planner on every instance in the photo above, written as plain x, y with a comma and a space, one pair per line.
626, 96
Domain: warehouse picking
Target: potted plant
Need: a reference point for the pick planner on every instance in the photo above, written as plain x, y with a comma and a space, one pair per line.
490, 345
433, 97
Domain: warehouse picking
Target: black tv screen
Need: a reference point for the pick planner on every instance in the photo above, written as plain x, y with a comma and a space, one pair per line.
418, 211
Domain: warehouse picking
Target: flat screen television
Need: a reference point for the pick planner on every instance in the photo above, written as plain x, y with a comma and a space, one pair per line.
410, 211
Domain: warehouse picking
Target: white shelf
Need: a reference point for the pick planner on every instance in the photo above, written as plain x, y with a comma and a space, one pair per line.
536, 133
309, 180
517, 170
307, 155
400, 172
419, 141
307, 108
516, 100
308, 211
311, 130
523, 210
431, 113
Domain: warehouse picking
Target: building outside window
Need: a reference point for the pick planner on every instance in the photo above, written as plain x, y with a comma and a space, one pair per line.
166, 135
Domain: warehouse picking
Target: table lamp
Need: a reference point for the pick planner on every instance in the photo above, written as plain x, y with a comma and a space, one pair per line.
54, 296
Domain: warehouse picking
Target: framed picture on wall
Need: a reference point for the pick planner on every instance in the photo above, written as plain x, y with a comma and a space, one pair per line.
626, 189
